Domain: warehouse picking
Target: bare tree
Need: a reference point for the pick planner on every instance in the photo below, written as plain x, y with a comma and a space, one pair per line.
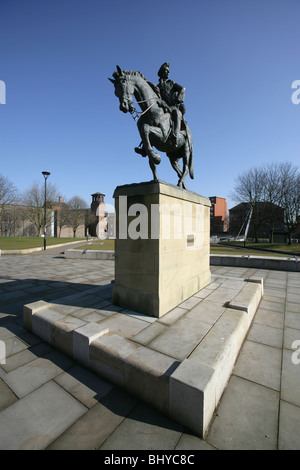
77, 213
34, 202
249, 188
8, 195
62, 218
271, 196
290, 196
273, 192
11, 220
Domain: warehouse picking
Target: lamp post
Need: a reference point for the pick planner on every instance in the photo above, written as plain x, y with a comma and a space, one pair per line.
45, 174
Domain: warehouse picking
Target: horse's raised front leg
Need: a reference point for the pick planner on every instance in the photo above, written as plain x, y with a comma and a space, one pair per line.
145, 131
154, 159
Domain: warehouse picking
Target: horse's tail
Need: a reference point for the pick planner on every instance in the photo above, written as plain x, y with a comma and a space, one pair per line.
191, 165
191, 152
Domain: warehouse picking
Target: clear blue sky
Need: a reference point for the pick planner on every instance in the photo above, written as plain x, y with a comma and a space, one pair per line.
236, 58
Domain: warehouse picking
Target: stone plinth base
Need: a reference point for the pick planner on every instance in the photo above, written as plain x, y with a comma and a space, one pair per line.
161, 248
180, 364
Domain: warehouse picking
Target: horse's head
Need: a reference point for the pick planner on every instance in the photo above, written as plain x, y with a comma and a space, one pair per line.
124, 89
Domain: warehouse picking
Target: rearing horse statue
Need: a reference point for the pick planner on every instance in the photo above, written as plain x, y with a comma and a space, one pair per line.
154, 123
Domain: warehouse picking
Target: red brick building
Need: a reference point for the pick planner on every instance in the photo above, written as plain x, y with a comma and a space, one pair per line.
218, 215
61, 221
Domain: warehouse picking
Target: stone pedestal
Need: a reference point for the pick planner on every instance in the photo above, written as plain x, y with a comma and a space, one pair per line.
161, 248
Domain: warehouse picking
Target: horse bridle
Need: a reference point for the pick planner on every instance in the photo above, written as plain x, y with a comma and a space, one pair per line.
137, 114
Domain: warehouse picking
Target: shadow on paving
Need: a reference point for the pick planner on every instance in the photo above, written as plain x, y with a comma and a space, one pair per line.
26, 352
101, 398
15, 293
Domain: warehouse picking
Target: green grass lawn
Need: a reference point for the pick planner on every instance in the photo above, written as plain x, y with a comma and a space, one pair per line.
22, 243
290, 249
223, 250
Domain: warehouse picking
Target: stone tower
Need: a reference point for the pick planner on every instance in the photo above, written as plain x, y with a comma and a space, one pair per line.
99, 227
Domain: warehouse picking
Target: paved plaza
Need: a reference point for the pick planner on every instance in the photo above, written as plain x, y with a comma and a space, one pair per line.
49, 401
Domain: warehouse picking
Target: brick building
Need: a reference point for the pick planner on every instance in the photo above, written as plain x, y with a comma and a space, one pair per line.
61, 221
218, 215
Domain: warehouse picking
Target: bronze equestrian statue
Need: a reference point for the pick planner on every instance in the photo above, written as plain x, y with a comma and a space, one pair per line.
160, 122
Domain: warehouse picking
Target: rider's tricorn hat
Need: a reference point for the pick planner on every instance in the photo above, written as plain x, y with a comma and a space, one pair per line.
160, 72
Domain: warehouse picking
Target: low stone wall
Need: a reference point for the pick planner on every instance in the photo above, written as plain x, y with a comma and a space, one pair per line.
21, 252
258, 262
90, 254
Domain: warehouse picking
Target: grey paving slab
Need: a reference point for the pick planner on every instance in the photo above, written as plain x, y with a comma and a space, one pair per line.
206, 311
93, 316
292, 320
293, 280
247, 417
275, 283
84, 385
181, 338
290, 336
6, 332
94, 427
276, 292
249, 413
290, 379
203, 293
293, 307
271, 305
7, 397
32, 375
12, 296
109, 310
124, 325
189, 442
260, 364
265, 334
14, 345
269, 318
83, 311
173, 315
18, 360
271, 298
39, 418
190, 303
293, 298
145, 429
292, 290
289, 436
138, 316
149, 333
223, 294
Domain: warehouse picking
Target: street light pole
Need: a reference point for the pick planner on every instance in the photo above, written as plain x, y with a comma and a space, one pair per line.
45, 174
